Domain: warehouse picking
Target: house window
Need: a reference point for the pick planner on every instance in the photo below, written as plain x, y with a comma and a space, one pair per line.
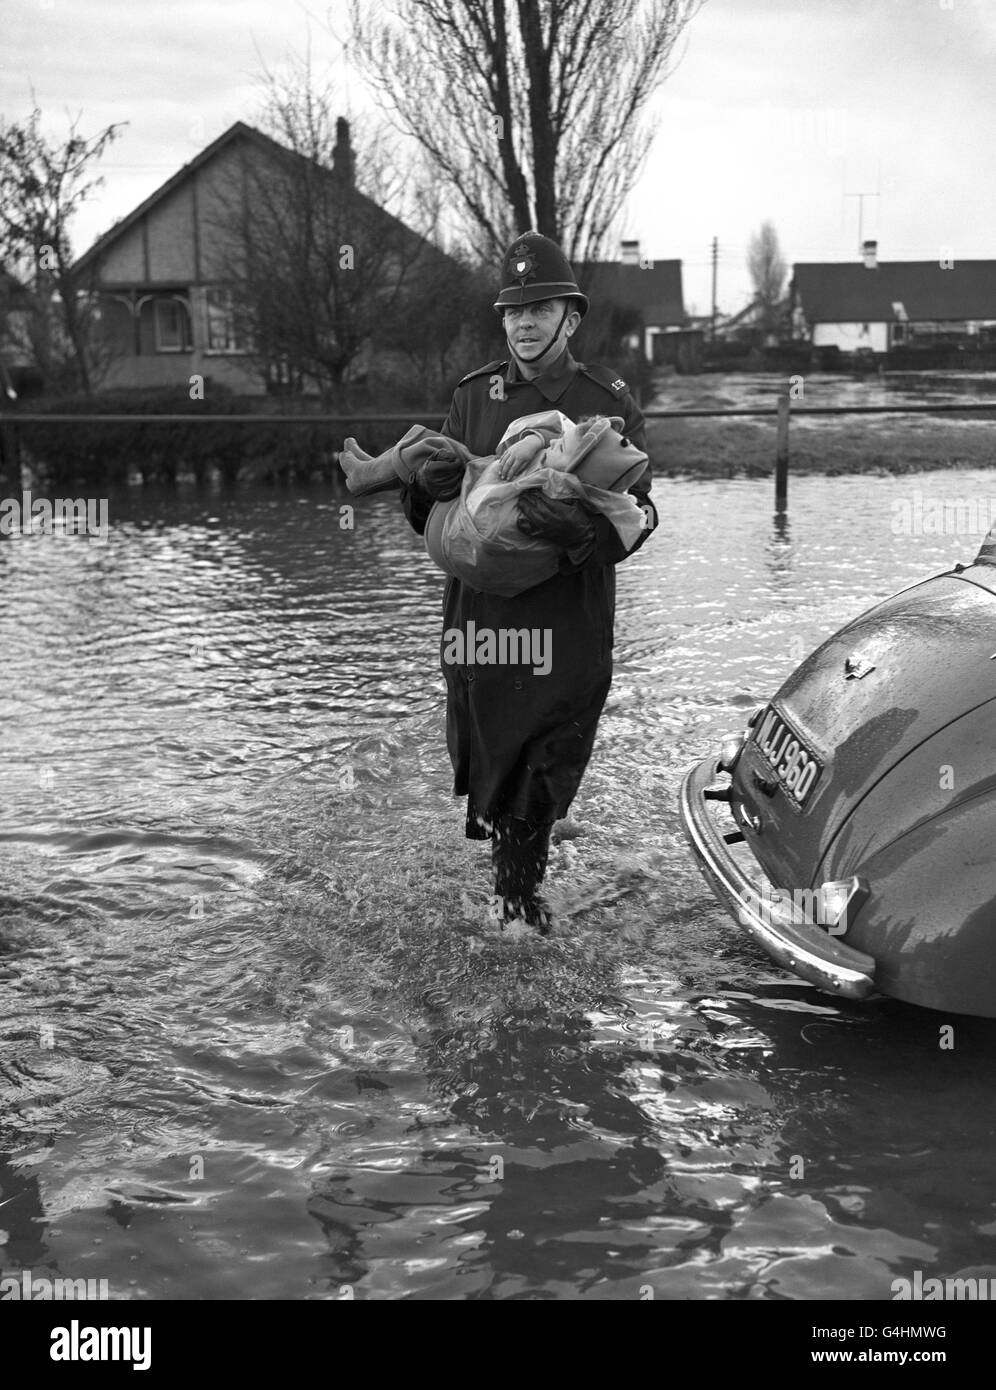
282, 379
170, 319
224, 332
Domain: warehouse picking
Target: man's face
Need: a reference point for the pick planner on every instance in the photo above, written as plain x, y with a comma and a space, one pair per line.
531, 328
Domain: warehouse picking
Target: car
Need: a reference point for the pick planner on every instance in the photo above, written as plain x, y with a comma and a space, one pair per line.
851, 827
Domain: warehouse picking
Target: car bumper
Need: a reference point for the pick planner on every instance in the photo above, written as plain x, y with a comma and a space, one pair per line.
803, 948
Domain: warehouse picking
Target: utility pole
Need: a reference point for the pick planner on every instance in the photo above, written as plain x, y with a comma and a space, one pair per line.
715, 262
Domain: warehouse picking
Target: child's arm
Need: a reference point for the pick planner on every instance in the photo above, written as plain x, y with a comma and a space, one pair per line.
520, 455
526, 439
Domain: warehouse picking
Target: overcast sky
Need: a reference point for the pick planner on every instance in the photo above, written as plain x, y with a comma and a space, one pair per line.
777, 109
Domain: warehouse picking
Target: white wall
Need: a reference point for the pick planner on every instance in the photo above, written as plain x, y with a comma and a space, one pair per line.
849, 337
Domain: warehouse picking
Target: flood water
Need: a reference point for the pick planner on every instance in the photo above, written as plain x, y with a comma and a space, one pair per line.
259, 1038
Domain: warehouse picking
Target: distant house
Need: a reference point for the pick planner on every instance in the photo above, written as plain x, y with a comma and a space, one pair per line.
878, 306
163, 274
647, 294
746, 327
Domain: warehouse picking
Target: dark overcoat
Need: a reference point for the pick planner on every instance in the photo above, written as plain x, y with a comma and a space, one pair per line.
520, 740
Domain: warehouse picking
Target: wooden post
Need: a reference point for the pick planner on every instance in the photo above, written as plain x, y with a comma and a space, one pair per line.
10, 455
782, 454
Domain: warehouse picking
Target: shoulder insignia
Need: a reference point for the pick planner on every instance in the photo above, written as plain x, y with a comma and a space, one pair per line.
605, 378
484, 371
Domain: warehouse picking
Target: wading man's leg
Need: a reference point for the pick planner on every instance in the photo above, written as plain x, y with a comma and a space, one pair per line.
519, 854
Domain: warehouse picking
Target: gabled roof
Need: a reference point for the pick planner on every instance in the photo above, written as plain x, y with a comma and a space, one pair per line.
754, 308
849, 293
655, 291
234, 133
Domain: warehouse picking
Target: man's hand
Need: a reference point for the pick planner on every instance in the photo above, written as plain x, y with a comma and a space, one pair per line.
562, 523
441, 477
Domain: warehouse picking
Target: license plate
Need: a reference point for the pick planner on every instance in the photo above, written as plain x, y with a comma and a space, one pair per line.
796, 768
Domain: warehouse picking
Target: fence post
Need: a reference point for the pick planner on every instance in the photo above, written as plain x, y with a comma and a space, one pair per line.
10, 455
782, 454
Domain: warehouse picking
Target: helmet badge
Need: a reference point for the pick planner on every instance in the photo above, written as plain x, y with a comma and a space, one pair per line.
523, 264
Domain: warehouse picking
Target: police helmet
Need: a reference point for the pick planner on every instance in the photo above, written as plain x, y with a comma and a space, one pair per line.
534, 268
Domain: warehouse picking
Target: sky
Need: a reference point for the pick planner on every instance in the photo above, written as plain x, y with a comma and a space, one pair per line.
775, 109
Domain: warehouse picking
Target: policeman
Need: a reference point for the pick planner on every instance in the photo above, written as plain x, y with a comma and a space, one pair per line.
520, 737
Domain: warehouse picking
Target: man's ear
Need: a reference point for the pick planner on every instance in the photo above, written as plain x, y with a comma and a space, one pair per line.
572, 322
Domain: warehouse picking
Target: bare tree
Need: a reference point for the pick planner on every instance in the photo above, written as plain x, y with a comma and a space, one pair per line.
435, 326
532, 112
767, 272
42, 184
321, 263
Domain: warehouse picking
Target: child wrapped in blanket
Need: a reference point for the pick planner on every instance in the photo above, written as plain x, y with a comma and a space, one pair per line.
478, 536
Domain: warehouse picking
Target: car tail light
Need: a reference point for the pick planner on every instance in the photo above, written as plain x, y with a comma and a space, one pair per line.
730, 748
840, 901
732, 745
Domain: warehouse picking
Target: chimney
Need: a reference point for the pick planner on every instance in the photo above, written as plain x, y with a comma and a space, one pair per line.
630, 252
342, 152
869, 250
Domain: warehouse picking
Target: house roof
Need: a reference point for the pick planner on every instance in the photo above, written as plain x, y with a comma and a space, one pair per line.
849, 293
239, 131
14, 293
656, 291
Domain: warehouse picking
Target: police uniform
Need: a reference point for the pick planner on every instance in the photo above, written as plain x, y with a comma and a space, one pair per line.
519, 740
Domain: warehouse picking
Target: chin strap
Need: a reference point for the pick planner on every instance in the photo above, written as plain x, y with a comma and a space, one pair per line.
553, 340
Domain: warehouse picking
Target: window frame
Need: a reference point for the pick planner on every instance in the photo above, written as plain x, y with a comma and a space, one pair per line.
218, 307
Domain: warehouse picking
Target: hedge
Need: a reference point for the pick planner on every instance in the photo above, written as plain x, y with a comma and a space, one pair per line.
77, 453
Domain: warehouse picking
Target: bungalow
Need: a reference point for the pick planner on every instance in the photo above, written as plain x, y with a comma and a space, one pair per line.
880, 307
164, 274
647, 293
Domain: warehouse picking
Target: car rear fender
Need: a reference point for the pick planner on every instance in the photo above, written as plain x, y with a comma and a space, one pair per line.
955, 764
930, 920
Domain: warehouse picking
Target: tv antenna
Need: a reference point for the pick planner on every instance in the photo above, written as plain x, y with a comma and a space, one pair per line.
861, 214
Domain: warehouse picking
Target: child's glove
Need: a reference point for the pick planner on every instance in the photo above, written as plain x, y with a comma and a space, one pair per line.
563, 523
